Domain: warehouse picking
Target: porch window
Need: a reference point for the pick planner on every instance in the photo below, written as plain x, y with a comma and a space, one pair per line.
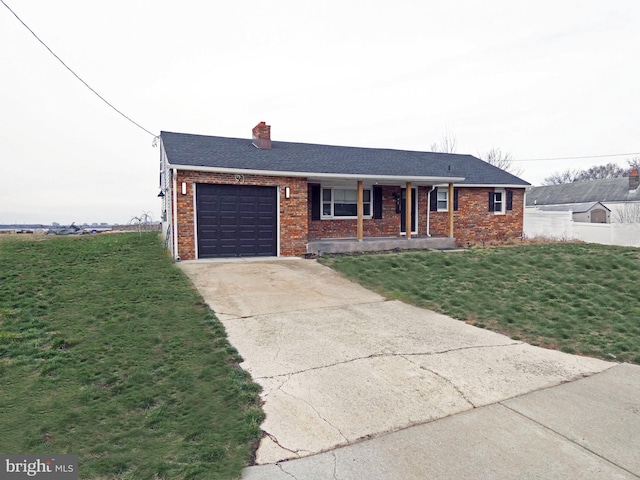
442, 199
340, 202
439, 200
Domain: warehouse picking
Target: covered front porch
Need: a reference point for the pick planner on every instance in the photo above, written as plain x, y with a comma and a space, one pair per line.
380, 214
378, 244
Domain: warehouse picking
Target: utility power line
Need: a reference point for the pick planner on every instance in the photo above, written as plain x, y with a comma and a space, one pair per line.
154, 135
572, 158
74, 73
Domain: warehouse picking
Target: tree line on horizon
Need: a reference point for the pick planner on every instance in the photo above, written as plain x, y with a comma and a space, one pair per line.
505, 161
598, 172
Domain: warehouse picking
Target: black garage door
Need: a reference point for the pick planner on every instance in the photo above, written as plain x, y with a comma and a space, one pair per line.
236, 221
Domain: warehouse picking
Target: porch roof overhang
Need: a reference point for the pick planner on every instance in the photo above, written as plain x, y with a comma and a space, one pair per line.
335, 177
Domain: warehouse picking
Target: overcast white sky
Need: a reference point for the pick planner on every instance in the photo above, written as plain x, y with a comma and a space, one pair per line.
550, 78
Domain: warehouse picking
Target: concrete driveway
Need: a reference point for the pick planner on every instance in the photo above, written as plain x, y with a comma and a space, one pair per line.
340, 365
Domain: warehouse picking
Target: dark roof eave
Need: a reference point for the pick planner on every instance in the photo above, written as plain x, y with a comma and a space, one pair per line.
490, 185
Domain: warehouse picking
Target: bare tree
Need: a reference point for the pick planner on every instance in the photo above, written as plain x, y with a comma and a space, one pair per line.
141, 221
502, 160
447, 143
571, 175
634, 163
629, 213
599, 172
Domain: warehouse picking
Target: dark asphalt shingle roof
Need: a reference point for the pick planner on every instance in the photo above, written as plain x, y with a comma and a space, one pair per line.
239, 153
607, 190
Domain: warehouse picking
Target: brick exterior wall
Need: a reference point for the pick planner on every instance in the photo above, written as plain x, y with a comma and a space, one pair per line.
474, 224
387, 226
293, 211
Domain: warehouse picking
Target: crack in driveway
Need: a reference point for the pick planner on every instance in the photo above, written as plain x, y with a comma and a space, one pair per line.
279, 387
383, 355
258, 315
335, 465
317, 413
278, 336
449, 381
284, 471
275, 440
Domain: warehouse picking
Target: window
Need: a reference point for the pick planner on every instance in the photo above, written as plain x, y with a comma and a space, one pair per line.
327, 208
442, 200
439, 199
500, 201
340, 202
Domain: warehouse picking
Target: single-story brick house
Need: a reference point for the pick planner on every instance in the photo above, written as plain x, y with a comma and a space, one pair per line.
239, 197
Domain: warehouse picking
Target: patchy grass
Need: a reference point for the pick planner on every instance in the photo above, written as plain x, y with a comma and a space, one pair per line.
106, 351
578, 298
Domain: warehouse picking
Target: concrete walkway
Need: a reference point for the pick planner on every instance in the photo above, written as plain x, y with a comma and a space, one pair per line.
407, 393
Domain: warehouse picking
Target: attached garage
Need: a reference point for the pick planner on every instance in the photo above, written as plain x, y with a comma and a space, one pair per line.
236, 220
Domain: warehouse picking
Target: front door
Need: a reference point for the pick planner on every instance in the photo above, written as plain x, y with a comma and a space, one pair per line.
414, 211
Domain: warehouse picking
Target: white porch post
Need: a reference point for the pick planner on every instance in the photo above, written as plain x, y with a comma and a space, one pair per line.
450, 197
360, 210
408, 212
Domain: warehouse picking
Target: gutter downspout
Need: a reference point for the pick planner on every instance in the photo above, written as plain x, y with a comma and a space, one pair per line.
524, 209
174, 226
433, 187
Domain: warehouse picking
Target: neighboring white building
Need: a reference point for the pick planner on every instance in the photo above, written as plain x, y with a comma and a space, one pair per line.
592, 212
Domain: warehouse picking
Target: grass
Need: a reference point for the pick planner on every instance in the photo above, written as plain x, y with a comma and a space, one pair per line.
106, 351
578, 298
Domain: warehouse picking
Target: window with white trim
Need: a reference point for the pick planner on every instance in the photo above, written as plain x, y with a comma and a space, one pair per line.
439, 199
442, 199
343, 203
499, 202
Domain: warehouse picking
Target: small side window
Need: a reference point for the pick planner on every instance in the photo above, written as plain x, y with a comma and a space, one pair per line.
443, 200
499, 202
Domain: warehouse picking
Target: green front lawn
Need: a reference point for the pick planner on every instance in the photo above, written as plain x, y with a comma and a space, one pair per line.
579, 298
106, 351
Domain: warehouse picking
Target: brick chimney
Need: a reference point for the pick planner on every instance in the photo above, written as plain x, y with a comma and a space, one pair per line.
262, 135
634, 179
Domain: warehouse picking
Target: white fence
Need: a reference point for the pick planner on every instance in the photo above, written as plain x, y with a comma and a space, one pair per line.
559, 225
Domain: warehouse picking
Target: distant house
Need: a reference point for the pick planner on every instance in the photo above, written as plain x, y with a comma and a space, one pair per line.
225, 197
615, 200
590, 212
